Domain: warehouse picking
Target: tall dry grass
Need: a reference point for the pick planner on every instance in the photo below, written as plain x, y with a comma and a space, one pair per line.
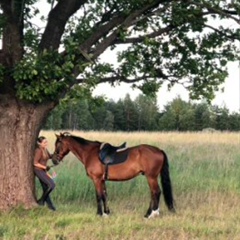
205, 173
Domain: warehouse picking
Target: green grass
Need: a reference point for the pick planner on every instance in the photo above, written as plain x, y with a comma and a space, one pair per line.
205, 173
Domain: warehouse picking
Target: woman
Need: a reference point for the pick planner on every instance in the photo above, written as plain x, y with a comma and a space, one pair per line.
41, 157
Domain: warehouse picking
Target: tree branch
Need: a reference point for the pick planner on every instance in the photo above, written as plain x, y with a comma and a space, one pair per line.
57, 20
143, 37
102, 31
12, 40
231, 37
119, 22
223, 12
108, 15
4, 3
101, 47
114, 79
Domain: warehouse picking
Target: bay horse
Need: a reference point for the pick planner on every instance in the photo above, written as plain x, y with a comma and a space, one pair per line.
143, 159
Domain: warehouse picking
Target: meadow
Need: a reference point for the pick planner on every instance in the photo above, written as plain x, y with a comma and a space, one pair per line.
205, 174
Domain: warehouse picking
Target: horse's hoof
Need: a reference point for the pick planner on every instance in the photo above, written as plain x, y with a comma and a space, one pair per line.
105, 215
154, 214
172, 210
107, 212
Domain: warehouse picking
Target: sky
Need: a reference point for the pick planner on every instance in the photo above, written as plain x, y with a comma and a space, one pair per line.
230, 98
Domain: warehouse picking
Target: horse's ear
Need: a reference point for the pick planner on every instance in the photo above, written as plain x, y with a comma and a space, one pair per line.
65, 134
57, 136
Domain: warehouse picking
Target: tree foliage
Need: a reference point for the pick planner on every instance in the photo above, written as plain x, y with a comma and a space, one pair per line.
187, 42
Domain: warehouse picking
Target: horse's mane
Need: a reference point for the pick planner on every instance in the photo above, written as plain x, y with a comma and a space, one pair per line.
80, 140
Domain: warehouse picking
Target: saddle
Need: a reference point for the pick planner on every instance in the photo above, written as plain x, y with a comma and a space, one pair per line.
111, 155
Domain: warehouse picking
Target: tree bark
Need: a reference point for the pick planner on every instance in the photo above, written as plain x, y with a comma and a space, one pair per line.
20, 123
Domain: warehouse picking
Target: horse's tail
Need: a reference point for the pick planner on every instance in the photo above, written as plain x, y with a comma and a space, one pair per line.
166, 184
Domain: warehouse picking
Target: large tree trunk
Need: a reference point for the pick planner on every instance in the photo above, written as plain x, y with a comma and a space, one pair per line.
20, 124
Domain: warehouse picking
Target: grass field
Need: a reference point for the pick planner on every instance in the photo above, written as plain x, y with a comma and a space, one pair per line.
205, 173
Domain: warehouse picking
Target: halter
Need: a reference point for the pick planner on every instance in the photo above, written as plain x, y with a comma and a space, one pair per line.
56, 160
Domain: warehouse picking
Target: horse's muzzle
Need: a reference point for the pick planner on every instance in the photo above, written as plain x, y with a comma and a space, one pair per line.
55, 159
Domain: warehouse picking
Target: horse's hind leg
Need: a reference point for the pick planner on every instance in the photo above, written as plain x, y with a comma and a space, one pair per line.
153, 209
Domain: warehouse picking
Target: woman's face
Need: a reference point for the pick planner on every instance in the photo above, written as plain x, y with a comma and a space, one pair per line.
44, 143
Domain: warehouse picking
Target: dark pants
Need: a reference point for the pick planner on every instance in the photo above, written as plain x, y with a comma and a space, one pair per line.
47, 185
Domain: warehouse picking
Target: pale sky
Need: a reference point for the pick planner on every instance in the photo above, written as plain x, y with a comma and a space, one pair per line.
229, 98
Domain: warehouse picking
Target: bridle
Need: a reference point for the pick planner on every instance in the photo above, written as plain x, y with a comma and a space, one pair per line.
57, 158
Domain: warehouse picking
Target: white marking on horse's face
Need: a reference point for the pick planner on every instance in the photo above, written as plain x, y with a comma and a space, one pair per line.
154, 213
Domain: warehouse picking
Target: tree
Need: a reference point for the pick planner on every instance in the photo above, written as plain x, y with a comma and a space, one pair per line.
164, 40
147, 112
119, 116
54, 121
222, 118
178, 116
77, 116
203, 117
109, 121
187, 118
130, 114
99, 116
234, 120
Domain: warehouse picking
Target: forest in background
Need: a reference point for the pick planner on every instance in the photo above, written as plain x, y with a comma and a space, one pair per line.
141, 114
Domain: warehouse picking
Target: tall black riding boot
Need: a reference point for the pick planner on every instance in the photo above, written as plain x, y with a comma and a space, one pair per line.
50, 204
42, 200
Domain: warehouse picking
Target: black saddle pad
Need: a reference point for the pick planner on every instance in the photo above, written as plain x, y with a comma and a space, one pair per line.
110, 155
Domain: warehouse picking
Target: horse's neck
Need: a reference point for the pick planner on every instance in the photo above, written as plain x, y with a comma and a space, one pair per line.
77, 150
82, 152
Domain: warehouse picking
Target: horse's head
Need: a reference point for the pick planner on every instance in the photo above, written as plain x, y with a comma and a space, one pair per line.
61, 148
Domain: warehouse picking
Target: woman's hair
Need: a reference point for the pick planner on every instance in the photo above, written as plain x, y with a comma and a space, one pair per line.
40, 139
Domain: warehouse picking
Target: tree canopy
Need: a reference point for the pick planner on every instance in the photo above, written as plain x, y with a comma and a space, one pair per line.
186, 42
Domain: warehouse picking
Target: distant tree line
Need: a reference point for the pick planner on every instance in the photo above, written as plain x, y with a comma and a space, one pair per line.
141, 114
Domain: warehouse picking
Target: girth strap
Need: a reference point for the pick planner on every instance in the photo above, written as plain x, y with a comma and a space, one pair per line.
106, 172
111, 155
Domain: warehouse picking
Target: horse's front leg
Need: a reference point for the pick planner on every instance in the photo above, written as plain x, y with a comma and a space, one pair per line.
101, 196
99, 204
104, 198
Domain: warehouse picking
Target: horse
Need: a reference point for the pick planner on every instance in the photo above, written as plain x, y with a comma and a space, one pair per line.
144, 159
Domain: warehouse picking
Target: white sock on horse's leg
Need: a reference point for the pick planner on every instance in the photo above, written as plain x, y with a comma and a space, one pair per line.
154, 213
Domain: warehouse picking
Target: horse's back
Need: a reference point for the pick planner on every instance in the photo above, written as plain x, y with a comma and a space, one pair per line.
149, 158
146, 153
146, 149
